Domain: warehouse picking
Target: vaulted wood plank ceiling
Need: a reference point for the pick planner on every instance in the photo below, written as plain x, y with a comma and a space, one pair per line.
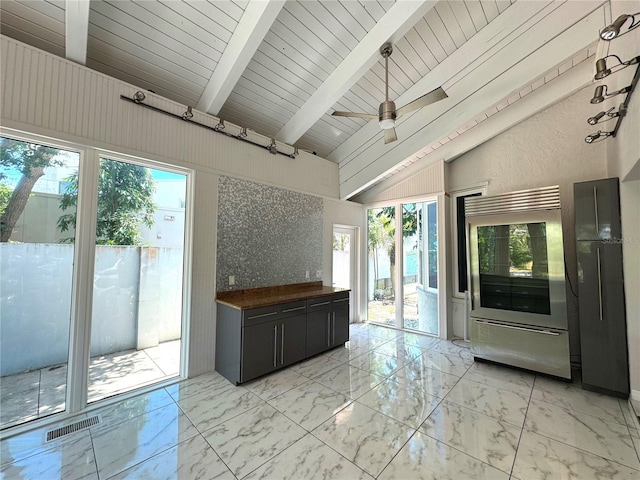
282, 67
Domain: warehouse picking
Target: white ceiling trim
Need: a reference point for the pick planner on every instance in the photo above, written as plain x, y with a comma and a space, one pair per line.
540, 99
76, 30
391, 27
254, 24
516, 64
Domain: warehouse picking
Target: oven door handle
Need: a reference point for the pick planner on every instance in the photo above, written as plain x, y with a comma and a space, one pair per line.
534, 330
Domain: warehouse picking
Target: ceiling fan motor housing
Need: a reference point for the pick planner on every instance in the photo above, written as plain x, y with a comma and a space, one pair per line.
387, 114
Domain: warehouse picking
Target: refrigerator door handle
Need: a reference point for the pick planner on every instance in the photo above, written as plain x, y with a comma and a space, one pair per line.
533, 330
599, 283
595, 210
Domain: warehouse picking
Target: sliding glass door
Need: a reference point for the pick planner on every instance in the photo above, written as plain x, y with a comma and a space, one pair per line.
87, 244
137, 289
403, 288
420, 267
36, 264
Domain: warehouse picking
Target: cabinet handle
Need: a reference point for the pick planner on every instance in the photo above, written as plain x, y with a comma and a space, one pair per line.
282, 347
599, 283
293, 309
341, 300
275, 345
328, 329
262, 315
595, 209
319, 304
333, 334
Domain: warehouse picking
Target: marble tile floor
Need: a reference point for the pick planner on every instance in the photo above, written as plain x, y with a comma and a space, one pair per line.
389, 405
38, 393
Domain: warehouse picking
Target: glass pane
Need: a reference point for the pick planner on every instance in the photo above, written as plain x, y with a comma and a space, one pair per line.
420, 275
514, 273
382, 264
341, 260
137, 294
37, 237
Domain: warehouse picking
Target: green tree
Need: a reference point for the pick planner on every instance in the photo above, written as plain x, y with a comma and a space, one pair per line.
125, 202
30, 160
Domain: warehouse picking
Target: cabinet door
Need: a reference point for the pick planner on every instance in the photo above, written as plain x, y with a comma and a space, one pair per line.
293, 339
340, 326
259, 349
318, 332
603, 338
597, 210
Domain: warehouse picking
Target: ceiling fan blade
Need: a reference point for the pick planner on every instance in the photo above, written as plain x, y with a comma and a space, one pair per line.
390, 135
427, 99
369, 116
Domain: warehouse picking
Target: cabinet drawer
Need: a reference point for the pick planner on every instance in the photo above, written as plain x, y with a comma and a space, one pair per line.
320, 303
340, 299
292, 308
258, 315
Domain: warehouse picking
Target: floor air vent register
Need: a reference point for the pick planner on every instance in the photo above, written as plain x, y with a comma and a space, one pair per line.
72, 428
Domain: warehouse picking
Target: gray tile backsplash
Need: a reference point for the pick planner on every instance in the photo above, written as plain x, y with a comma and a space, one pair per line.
266, 235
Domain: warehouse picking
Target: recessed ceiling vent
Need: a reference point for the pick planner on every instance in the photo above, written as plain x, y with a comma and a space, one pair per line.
72, 428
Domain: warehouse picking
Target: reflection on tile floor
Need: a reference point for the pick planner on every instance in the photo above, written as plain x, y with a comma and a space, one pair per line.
388, 405
36, 394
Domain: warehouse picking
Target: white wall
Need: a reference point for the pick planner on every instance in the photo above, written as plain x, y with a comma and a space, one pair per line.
546, 149
623, 155
49, 96
337, 212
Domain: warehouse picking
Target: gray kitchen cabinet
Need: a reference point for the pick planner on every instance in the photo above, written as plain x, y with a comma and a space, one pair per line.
327, 322
601, 303
597, 209
256, 341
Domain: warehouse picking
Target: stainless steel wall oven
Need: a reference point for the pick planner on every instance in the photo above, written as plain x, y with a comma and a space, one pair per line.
518, 309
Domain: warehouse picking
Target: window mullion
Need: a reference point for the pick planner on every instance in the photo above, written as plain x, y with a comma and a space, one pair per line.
83, 268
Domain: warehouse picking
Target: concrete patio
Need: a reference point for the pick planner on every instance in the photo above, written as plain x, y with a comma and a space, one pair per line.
38, 393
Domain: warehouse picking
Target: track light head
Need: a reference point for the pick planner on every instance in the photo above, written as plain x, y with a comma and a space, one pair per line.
593, 120
139, 97
188, 115
613, 31
601, 69
273, 149
598, 95
243, 132
220, 126
598, 135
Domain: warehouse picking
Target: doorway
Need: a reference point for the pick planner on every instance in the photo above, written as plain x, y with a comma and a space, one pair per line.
344, 264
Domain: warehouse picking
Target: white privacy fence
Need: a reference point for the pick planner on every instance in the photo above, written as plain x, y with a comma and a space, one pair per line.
137, 301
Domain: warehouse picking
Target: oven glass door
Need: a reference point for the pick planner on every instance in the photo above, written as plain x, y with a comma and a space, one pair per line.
514, 267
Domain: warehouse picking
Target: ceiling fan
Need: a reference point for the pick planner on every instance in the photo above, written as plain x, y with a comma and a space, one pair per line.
387, 112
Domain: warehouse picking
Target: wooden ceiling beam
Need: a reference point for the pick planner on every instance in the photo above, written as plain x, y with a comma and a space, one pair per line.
391, 27
247, 37
76, 30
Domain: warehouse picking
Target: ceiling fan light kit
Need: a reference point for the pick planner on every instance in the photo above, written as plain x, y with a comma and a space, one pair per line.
387, 112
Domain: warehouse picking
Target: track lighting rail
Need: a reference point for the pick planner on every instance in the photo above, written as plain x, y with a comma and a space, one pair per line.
139, 97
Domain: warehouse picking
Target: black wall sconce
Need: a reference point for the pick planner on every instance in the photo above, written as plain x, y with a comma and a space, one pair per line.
613, 31
601, 66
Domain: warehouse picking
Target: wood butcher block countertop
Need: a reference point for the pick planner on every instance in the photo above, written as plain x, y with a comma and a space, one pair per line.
263, 297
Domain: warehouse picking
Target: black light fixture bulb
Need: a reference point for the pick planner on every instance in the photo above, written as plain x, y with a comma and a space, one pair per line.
243, 132
593, 120
598, 135
598, 95
219, 126
188, 115
139, 97
273, 149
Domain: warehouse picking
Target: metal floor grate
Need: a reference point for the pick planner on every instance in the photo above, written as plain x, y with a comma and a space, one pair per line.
72, 427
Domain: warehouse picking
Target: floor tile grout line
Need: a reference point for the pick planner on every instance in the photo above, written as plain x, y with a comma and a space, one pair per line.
524, 422
582, 412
